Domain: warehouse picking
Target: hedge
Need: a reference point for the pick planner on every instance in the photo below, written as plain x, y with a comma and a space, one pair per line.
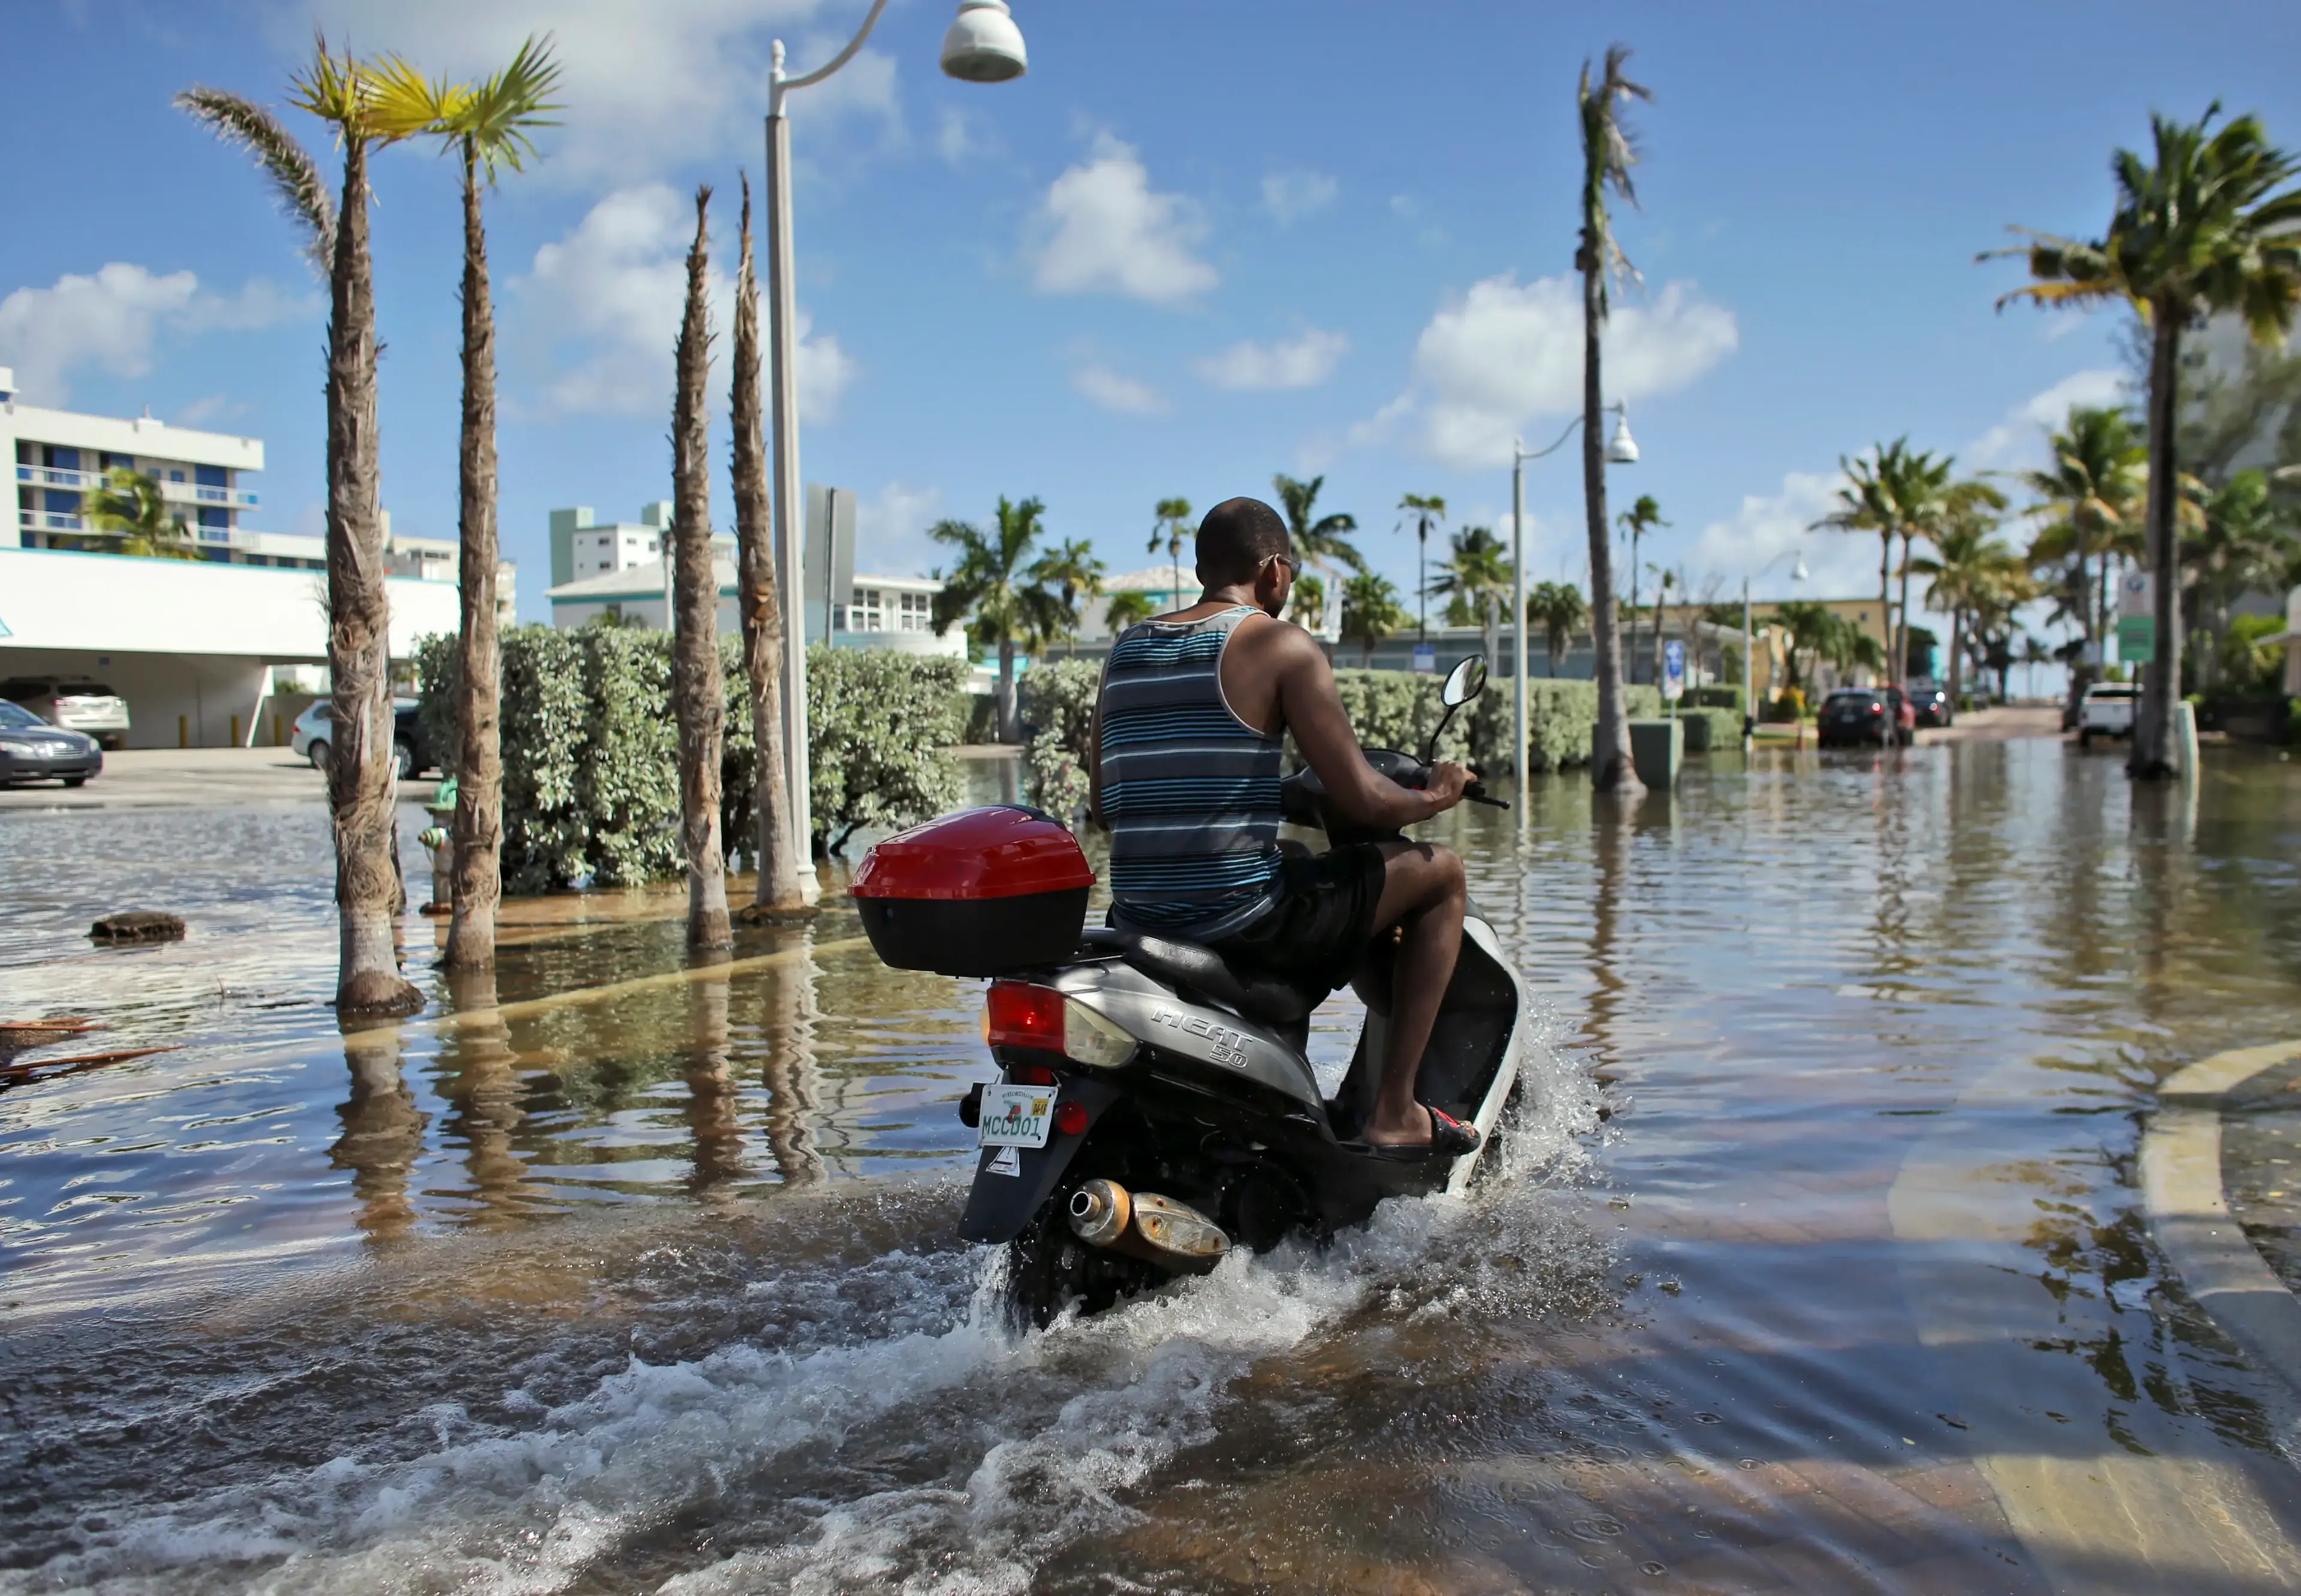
1057, 699
590, 749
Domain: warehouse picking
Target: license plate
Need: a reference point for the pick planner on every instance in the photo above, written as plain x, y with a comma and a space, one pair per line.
1016, 1115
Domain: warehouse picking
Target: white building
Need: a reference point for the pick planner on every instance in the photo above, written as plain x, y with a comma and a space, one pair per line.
208, 652
889, 611
582, 546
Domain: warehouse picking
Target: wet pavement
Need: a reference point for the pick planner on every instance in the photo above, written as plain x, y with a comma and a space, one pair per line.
626, 1275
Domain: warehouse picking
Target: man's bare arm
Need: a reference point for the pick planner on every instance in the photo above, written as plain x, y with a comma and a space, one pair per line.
1313, 711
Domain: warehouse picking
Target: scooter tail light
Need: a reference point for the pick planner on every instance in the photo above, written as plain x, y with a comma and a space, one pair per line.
1019, 1015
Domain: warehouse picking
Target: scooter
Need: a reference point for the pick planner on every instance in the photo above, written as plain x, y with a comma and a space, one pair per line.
1156, 1107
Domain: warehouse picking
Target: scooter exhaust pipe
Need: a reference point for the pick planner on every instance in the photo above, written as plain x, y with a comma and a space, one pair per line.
1144, 1224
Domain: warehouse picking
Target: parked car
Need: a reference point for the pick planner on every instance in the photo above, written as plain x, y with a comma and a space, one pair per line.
33, 750
1932, 705
74, 703
2106, 711
312, 737
1881, 717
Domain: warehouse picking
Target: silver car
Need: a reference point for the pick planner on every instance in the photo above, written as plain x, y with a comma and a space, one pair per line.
74, 703
32, 750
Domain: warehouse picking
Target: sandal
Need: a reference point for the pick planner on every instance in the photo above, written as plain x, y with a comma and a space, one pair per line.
1449, 1138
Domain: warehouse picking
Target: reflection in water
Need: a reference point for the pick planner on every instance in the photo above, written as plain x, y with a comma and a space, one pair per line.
383, 1132
788, 1066
479, 1077
713, 1126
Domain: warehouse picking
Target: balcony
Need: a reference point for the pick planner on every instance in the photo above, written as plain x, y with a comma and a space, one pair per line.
182, 493
244, 539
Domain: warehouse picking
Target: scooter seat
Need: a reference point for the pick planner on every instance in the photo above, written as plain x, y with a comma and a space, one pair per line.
1264, 998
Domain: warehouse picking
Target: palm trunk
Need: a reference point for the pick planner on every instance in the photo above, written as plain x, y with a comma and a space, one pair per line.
1897, 646
1611, 768
699, 695
1956, 656
1886, 587
479, 770
779, 887
1006, 704
362, 776
2080, 674
2161, 680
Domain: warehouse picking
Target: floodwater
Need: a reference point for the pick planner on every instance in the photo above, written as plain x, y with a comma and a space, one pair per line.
1815, 1263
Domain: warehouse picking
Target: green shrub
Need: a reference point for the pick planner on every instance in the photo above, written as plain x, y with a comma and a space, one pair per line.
879, 729
1724, 728
590, 749
1057, 708
1396, 709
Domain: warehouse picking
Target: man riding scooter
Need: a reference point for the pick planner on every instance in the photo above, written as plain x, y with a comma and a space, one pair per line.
1194, 709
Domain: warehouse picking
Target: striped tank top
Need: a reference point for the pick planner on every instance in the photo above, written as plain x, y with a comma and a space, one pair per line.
1190, 790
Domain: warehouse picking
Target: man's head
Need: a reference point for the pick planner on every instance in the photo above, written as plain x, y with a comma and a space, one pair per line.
1243, 544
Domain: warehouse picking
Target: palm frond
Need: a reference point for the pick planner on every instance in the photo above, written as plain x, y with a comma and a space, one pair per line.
496, 115
294, 176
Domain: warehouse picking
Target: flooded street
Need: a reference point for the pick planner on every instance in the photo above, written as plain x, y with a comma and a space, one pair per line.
1814, 1262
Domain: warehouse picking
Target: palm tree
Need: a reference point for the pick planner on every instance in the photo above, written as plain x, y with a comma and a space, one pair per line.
1560, 609
698, 700
1634, 522
2088, 499
1427, 507
2237, 545
2213, 225
131, 507
1818, 633
2033, 654
1973, 572
1476, 582
352, 98
991, 581
1921, 493
1068, 574
1608, 154
1370, 611
780, 889
1323, 542
1170, 522
1308, 607
1865, 504
1132, 608
486, 125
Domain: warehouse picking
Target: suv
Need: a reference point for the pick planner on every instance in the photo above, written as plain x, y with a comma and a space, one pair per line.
1933, 705
2106, 711
74, 703
315, 729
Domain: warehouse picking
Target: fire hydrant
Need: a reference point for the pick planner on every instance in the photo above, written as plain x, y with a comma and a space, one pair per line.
441, 842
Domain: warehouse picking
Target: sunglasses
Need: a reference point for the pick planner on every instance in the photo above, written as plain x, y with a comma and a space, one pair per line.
1293, 567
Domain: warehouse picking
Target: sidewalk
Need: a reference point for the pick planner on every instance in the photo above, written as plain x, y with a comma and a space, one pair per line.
192, 778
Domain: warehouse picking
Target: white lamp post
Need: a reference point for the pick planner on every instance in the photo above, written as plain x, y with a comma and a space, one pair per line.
1749, 672
983, 45
1622, 450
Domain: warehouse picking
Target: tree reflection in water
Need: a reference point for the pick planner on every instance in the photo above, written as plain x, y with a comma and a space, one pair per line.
479, 1076
714, 1124
383, 1132
791, 1071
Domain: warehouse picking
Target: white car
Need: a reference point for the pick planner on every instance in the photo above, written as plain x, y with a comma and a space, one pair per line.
315, 729
74, 703
2106, 711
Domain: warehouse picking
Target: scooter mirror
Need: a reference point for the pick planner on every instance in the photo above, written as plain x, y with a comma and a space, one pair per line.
1465, 681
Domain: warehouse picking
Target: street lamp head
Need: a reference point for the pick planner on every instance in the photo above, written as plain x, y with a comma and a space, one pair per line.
1624, 449
983, 45
1797, 572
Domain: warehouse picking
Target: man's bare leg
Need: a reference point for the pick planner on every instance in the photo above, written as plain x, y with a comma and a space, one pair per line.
1424, 896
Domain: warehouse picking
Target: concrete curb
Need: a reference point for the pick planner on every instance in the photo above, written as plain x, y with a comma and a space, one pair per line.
2181, 1193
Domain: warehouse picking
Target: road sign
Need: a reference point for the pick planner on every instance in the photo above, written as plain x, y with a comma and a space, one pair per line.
1426, 659
1673, 670
2136, 637
2137, 593
829, 570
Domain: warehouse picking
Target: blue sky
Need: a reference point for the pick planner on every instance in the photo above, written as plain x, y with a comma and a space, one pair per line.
1198, 244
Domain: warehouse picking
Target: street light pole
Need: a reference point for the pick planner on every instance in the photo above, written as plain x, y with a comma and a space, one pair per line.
1749, 668
983, 45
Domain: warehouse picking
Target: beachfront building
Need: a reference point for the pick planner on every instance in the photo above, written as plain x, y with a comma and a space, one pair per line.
223, 649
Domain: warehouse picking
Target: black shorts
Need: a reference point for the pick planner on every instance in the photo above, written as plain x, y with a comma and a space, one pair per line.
1319, 927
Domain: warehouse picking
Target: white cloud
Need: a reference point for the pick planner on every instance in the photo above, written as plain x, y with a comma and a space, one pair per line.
1506, 353
1290, 196
114, 319
645, 87
955, 140
1304, 362
890, 530
2021, 435
605, 303
1114, 390
1769, 526
1100, 229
